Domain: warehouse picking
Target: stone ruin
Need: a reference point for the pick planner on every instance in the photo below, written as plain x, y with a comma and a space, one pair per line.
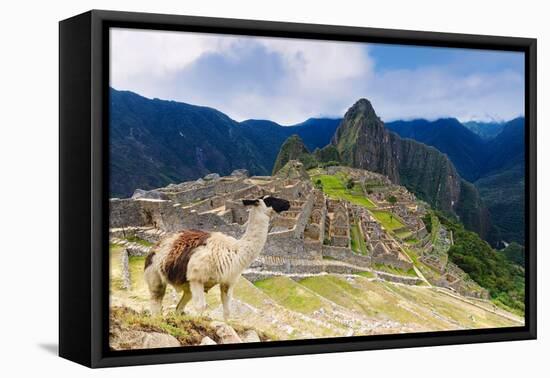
312, 237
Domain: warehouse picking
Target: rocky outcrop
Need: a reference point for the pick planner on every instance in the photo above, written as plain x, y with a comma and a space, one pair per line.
292, 149
149, 194
363, 142
293, 170
207, 341
132, 339
130, 329
226, 333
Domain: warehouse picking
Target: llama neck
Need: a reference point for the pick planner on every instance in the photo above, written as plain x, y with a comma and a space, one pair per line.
255, 235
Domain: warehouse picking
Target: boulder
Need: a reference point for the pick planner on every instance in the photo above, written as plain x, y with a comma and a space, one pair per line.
250, 336
211, 177
226, 333
149, 194
207, 341
159, 340
130, 339
240, 173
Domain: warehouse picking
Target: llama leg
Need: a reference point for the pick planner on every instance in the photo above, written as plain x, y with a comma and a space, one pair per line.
185, 298
199, 300
157, 288
226, 296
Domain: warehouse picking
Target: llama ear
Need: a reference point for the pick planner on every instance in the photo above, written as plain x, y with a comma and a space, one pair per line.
277, 204
247, 202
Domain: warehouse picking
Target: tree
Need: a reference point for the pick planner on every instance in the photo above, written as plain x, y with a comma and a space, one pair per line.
319, 184
392, 200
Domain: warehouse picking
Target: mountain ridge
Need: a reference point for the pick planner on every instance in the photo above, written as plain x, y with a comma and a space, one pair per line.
156, 142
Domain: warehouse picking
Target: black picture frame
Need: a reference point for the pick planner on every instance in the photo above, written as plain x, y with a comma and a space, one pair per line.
83, 181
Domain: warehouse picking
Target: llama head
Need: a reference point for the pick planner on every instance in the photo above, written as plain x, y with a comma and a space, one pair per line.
269, 204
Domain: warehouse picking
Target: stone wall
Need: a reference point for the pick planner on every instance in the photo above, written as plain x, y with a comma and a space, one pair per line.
303, 218
399, 279
285, 244
208, 190
346, 254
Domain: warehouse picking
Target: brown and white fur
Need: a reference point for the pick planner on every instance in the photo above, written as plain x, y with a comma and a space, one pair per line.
212, 259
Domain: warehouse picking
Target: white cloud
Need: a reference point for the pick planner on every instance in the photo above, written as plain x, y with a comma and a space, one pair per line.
316, 73
290, 80
436, 92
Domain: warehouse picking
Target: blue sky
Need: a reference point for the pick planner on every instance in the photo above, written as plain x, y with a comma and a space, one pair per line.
289, 80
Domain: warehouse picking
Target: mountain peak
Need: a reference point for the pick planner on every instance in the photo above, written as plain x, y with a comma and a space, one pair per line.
362, 106
292, 149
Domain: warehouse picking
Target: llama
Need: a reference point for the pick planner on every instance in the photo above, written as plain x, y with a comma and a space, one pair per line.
193, 261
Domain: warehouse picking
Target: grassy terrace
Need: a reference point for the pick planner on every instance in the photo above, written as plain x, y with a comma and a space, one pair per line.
396, 271
404, 234
334, 187
357, 240
290, 294
389, 221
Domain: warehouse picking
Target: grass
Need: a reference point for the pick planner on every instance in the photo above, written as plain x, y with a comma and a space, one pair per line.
188, 330
289, 294
336, 290
389, 221
136, 265
424, 309
357, 241
366, 274
333, 186
135, 239
394, 270
114, 264
405, 234
412, 241
435, 228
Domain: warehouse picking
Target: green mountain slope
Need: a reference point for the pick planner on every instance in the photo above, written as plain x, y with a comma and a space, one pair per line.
464, 148
293, 149
156, 142
492, 269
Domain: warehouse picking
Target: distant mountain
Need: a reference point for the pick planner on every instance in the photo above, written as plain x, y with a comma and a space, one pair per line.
315, 133
508, 148
464, 148
495, 166
502, 187
156, 142
364, 142
485, 130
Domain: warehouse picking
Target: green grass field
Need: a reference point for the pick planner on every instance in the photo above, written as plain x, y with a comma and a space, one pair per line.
389, 222
289, 294
357, 241
333, 186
